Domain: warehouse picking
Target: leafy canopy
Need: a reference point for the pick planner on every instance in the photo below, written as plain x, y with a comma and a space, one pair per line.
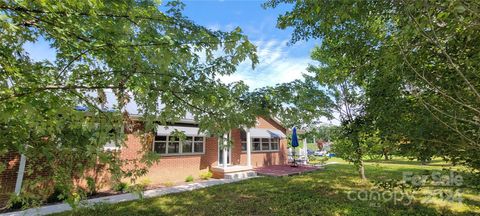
414, 64
157, 59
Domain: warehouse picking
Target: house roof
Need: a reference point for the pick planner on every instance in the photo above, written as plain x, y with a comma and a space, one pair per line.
276, 120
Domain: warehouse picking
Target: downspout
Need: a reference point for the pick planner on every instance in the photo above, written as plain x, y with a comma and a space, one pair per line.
21, 171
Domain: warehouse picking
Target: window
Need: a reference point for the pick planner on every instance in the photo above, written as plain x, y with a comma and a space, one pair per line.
262, 144
274, 144
198, 145
173, 145
243, 139
160, 144
256, 144
244, 145
187, 145
265, 144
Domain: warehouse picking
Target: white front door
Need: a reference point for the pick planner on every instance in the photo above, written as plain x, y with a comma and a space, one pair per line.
220, 153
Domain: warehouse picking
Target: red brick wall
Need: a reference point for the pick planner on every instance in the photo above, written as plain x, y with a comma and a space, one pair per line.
269, 123
8, 177
175, 168
236, 148
258, 158
268, 158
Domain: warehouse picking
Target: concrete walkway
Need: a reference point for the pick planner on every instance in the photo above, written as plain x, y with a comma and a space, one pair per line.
49, 209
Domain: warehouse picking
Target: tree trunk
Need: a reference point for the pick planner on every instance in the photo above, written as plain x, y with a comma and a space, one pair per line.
385, 154
361, 170
359, 157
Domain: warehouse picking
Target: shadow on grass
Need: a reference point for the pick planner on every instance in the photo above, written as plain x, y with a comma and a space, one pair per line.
322, 192
435, 162
471, 202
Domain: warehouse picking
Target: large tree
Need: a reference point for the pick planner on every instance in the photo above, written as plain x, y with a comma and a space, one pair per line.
417, 62
299, 104
341, 72
141, 51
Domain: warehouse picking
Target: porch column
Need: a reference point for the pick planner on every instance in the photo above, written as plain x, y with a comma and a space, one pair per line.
224, 150
249, 148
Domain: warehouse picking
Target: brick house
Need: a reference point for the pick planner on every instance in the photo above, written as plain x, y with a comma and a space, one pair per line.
199, 154
263, 145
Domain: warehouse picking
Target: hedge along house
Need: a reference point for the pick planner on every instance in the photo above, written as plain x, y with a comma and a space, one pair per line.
263, 145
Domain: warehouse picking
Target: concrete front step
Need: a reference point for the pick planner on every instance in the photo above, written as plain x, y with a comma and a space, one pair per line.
240, 175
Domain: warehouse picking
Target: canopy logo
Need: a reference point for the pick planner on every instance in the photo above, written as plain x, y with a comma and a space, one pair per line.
435, 179
404, 191
381, 196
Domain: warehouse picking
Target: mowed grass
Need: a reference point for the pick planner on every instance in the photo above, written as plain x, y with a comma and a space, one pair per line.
323, 192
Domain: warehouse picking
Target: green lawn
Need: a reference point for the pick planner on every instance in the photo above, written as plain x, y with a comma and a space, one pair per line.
311, 146
323, 192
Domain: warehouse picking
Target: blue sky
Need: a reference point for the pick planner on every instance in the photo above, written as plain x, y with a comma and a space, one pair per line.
279, 62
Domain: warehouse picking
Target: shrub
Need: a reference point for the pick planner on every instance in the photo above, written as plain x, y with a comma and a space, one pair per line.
206, 175
15, 202
56, 196
74, 199
137, 189
120, 187
146, 182
168, 184
91, 186
22, 202
189, 178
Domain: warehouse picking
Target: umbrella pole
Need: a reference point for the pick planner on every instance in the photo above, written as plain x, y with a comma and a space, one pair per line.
294, 160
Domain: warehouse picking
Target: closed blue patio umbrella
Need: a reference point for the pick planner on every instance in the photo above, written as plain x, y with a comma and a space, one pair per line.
294, 144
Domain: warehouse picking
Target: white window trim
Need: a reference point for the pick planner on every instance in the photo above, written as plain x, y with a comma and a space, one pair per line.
180, 148
261, 150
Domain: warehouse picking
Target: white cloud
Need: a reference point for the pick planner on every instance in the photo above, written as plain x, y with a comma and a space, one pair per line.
227, 28
275, 66
214, 27
334, 121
